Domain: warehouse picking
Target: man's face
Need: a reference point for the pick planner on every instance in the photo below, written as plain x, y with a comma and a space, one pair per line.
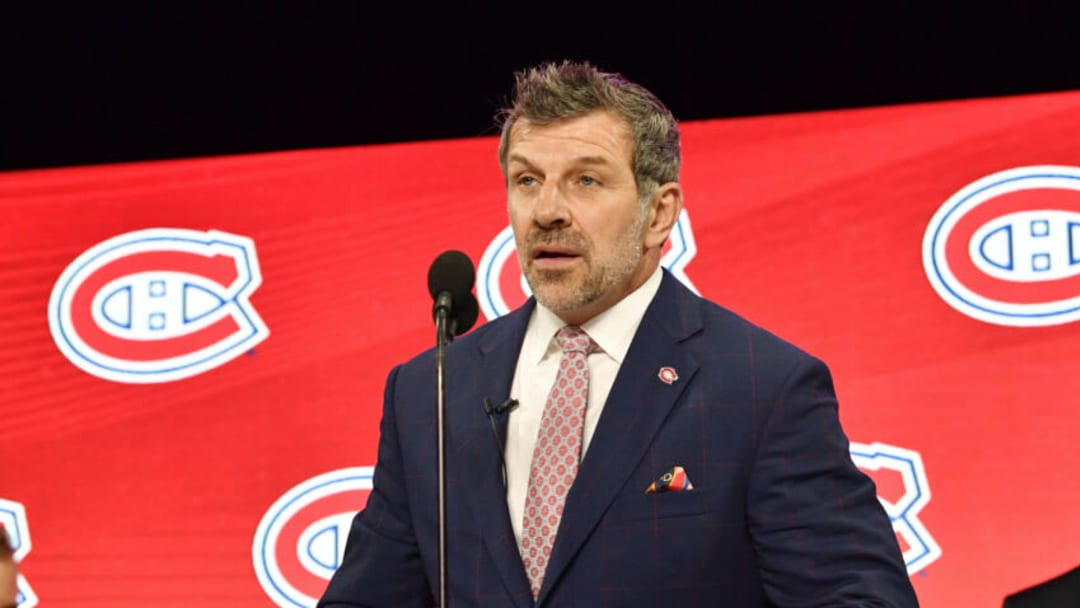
575, 212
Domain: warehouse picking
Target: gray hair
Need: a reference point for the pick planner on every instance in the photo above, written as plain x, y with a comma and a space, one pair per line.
551, 92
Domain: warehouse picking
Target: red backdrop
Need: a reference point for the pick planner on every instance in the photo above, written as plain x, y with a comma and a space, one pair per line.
227, 482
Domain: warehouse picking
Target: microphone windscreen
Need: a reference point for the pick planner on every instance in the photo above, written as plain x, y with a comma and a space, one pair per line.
465, 313
452, 271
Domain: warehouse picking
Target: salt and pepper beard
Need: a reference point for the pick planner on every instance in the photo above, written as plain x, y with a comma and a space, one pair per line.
598, 283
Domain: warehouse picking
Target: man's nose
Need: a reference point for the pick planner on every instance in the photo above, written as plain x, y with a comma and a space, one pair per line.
552, 207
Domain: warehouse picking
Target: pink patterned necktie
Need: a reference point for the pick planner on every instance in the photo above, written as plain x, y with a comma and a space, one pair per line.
557, 453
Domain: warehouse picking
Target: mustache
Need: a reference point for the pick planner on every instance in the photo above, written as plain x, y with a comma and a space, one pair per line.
558, 237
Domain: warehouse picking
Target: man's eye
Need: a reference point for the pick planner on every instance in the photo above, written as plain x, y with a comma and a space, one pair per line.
587, 180
526, 180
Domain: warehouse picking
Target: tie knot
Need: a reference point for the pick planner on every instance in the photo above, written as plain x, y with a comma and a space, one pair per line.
572, 339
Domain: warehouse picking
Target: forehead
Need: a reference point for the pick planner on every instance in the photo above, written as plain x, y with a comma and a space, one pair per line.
597, 135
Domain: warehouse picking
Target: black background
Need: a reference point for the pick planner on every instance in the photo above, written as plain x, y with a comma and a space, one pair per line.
94, 82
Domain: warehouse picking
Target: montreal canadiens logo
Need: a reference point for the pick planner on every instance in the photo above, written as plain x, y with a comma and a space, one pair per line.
903, 491
501, 286
1006, 248
13, 523
299, 542
158, 305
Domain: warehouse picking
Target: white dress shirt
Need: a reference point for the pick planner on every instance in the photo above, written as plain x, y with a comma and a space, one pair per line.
537, 365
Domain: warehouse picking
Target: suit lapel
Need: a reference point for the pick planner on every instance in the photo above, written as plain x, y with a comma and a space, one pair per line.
478, 465
637, 406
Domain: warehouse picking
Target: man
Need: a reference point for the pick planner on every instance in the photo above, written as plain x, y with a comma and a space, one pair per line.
708, 467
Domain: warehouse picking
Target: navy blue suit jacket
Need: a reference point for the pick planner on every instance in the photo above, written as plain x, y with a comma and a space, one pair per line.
779, 515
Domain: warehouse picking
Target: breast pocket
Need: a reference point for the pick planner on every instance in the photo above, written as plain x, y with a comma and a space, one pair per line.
672, 541
636, 507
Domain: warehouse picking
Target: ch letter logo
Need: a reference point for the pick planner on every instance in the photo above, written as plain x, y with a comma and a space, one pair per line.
1005, 249
300, 541
158, 305
903, 491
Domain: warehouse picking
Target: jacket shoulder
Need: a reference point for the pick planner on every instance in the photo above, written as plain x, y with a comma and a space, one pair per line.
725, 328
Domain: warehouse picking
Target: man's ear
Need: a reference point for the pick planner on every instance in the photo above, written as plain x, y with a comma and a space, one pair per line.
664, 208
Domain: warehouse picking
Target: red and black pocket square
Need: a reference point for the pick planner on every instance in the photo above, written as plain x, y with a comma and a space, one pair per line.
673, 480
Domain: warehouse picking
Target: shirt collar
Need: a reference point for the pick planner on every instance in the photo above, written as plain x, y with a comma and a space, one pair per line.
613, 330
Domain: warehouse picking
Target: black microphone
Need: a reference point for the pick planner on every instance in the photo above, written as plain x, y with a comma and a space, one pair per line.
450, 282
499, 410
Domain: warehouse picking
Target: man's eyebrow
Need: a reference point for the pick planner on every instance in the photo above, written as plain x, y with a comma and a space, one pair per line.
517, 158
592, 160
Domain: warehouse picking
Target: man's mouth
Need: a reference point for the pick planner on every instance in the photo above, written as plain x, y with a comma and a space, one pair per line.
553, 254
549, 253
553, 258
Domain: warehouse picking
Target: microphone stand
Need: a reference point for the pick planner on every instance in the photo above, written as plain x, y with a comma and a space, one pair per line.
450, 282
444, 334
